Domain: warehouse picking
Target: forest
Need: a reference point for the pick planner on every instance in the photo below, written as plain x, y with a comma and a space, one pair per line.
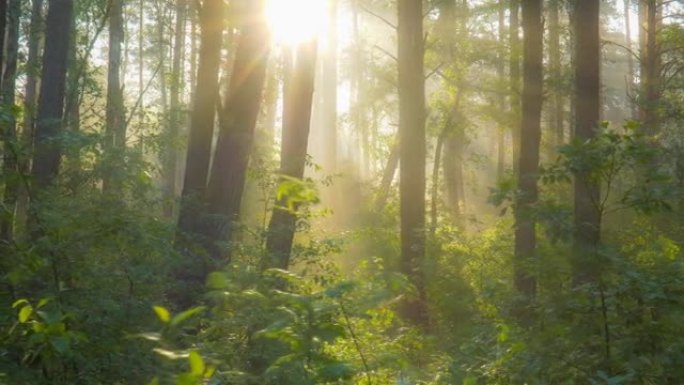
370, 192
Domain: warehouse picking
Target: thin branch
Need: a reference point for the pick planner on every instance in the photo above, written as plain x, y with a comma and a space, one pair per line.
386, 52
434, 71
383, 19
139, 100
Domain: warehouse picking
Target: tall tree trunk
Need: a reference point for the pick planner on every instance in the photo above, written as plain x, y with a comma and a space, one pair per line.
295, 135
587, 87
33, 69
238, 124
51, 101
528, 168
650, 17
203, 116
3, 28
556, 73
11, 150
175, 116
434, 195
514, 65
501, 100
630, 62
329, 91
412, 150
115, 115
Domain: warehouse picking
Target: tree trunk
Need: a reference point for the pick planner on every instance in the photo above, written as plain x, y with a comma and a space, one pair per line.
202, 120
51, 101
298, 100
650, 17
556, 74
434, 196
388, 175
329, 91
587, 88
175, 115
630, 62
10, 156
514, 42
501, 100
115, 115
412, 152
528, 168
237, 125
3, 28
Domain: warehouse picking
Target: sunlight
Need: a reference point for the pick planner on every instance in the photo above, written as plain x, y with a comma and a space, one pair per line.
296, 21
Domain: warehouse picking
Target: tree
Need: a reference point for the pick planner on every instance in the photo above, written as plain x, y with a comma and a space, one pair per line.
51, 101
412, 151
298, 90
587, 87
237, 124
202, 120
650, 20
11, 150
514, 68
528, 168
175, 115
116, 118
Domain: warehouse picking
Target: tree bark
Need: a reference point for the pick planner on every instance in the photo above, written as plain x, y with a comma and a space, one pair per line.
175, 113
412, 150
514, 66
238, 125
556, 74
630, 62
202, 121
329, 91
501, 99
11, 150
650, 17
298, 100
528, 168
587, 94
51, 101
115, 114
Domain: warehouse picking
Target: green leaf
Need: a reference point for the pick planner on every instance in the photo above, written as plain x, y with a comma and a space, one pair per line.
155, 381
163, 314
470, 380
19, 302
335, 371
25, 313
61, 344
217, 280
196, 363
186, 314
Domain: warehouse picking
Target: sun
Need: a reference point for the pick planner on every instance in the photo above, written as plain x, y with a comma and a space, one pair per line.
295, 21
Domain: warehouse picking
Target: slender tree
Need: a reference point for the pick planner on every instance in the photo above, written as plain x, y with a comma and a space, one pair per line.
51, 101
650, 18
175, 113
202, 119
298, 100
587, 88
555, 68
514, 73
238, 122
528, 167
412, 150
11, 150
115, 115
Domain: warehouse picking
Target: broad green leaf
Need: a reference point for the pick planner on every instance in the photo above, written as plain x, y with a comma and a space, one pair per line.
196, 363
186, 314
470, 380
163, 314
155, 381
25, 313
